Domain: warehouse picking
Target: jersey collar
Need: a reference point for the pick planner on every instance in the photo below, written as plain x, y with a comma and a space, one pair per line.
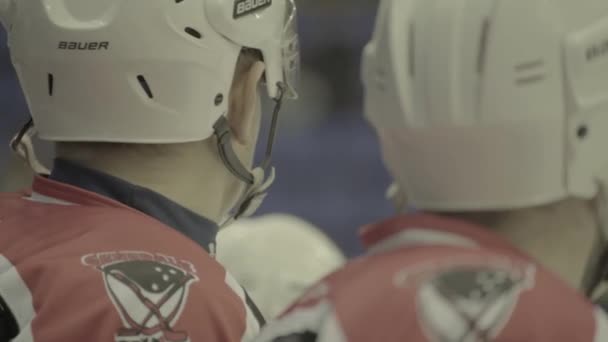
417, 230
76, 184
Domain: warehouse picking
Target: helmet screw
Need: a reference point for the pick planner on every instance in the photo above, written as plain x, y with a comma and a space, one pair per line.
219, 98
582, 132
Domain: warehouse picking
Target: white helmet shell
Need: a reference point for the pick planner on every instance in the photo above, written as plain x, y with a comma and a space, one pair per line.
140, 71
276, 258
4, 10
490, 104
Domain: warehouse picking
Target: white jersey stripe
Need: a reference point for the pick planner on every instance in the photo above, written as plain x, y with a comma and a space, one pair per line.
331, 331
253, 327
421, 237
18, 297
601, 326
36, 197
25, 335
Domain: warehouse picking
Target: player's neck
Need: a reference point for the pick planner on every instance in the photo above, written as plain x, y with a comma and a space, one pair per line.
561, 236
189, 174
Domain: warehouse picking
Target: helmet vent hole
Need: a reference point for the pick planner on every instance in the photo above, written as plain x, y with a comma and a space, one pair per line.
51, 83
483, 45
527, 80
194, 33
412, 49
144, 85
529, 72
219, 98
530, 65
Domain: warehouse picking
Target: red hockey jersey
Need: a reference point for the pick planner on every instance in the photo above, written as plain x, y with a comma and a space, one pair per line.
428, 279
76, 266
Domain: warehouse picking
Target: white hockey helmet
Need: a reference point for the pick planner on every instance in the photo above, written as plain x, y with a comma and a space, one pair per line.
276, 258
142, 71
148, 71
490, 104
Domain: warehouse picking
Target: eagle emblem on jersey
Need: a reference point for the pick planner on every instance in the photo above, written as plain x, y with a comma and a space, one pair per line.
149, 292
468, 301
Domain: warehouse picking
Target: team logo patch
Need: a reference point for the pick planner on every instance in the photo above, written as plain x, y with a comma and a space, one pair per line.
149, 292
245, 7
469, 301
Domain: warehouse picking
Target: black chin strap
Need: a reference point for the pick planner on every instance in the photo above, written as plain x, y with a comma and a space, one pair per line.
597, 270
226, 152
19, 137
257, 181
278, 103
23, 146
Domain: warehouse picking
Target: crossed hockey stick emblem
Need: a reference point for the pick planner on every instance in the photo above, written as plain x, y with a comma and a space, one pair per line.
149, 297
476, 303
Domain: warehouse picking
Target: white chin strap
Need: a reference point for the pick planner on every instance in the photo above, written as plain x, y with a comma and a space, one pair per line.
23, 146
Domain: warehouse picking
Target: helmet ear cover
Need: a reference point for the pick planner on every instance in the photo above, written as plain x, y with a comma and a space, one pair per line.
256, 27
264, 25
586, 63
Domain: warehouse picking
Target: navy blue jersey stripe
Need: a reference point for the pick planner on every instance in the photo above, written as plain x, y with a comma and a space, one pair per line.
256, 311
9, 328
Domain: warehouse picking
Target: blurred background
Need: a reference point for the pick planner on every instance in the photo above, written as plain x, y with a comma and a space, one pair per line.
329, 170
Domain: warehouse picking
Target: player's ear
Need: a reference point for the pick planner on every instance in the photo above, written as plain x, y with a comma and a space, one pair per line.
242, 114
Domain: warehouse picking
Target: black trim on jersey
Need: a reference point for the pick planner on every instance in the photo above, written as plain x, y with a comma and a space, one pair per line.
9, 329
199, 229
254, 308
298, 337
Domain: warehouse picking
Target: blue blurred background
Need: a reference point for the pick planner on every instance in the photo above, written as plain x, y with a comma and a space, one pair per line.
328, 165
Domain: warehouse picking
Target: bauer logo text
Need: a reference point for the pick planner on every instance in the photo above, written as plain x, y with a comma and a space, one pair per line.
84, 46
244, 7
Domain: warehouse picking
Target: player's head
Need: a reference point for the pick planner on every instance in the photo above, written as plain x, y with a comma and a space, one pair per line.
493, 106
276, 258
490, 104
153, 71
